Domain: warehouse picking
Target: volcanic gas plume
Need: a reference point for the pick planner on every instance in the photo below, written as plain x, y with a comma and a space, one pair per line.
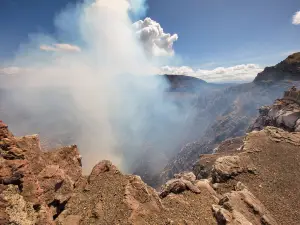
92, 81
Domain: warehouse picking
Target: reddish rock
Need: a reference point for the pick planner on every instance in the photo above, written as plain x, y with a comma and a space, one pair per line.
102, 167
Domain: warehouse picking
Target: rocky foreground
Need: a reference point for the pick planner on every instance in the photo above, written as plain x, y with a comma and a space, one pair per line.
255, 181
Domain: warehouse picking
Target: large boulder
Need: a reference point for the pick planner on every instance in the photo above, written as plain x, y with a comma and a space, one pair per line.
288, 119
282, 114
181, 183
227, 167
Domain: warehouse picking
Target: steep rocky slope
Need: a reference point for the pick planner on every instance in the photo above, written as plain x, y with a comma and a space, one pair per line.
244, 187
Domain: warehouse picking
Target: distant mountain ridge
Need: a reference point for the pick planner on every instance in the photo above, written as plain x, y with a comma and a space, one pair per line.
185, 83
288, 69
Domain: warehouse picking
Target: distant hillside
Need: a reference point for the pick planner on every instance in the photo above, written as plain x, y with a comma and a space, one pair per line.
188, 84
288, 69
182, 82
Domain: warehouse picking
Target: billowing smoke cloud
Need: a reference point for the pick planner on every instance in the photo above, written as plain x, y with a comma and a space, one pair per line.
96, 91
296, 18
244, 72
156, 42
138, 8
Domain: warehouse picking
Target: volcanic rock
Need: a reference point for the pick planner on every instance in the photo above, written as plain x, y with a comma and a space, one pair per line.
182, 182
283, 113
56, 192
243, 203
227, 167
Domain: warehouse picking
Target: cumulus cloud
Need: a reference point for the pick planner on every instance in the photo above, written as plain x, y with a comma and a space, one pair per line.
155, 41
60, 48
183, 70
296, 18
243, 72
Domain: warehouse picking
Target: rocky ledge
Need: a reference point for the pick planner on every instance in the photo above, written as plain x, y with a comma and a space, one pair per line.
284, 113
254, 185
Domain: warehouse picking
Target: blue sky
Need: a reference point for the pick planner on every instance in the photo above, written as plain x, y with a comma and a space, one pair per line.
215, 33
231, 31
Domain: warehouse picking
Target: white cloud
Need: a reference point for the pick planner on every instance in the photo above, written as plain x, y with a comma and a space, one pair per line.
155, 41
60, 48
9, 70
183, 70
16, 70
296, 18
243, 72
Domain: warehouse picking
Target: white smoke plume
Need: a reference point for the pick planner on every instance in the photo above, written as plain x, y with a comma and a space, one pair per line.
156, 42
138, 8
100, 93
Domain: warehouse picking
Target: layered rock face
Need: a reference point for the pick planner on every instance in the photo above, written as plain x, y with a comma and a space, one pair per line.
244, 186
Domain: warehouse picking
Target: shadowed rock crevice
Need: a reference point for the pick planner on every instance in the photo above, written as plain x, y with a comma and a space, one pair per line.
58, 206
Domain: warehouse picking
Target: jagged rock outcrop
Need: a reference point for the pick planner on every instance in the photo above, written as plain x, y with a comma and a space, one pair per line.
21, 196
283, 113
227, 167
39, 187
288, 69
